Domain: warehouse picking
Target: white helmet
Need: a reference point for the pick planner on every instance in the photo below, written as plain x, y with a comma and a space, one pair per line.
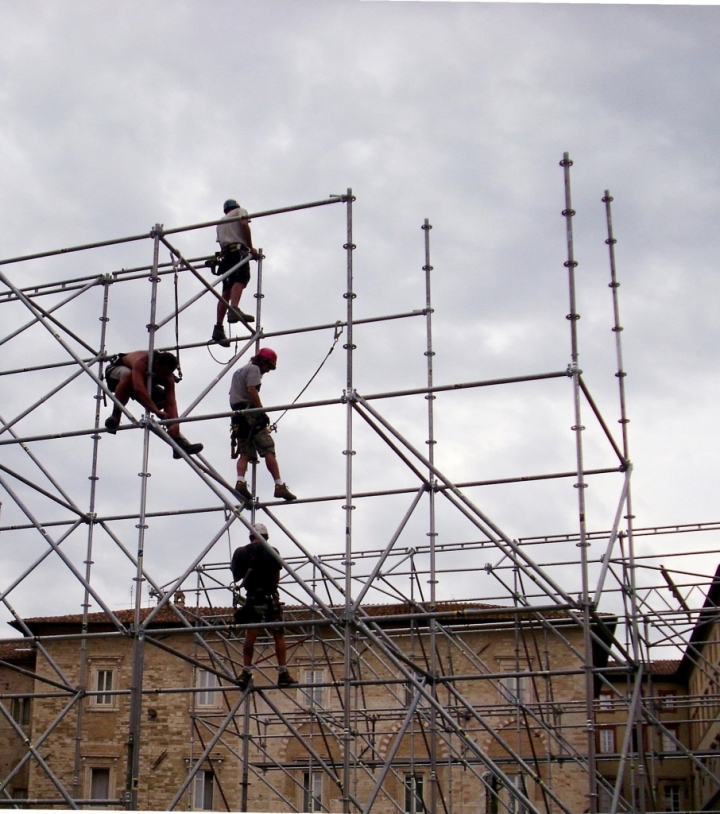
261, 529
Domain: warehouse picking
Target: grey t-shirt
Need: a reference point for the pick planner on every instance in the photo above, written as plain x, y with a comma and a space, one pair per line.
248, 376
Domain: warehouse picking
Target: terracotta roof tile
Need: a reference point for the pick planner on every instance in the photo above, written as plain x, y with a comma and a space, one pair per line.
20, 652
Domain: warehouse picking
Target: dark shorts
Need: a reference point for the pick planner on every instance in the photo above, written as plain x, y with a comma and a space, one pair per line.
116, 372
259, 609
230, 258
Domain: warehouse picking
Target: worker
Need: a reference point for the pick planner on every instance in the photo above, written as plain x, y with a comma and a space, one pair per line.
250, 435
257, 569
235, 239
126, 376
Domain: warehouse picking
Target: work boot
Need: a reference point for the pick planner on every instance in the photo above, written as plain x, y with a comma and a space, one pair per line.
245, 680
286, 680
111, 424
218, 335
186, 447
236, 315
241, 489
283, 492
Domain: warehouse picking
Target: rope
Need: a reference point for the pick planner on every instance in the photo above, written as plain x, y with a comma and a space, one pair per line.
338, 333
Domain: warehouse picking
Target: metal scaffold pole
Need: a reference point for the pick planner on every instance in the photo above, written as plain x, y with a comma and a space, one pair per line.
432, 533
138, 631
348, 507
83, 677
580, 485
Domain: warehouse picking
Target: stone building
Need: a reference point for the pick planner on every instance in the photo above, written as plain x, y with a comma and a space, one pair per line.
503, 722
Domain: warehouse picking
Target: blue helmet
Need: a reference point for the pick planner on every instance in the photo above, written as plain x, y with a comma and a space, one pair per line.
231, 203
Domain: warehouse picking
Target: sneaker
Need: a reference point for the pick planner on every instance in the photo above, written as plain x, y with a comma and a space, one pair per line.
236, 315
286, 680
282, 491
241, 489
187, 447
218, 335
112, 424
245, 680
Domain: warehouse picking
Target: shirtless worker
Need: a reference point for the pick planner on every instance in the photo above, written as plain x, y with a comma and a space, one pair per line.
258, 569
235, 239
250, 435
127, 378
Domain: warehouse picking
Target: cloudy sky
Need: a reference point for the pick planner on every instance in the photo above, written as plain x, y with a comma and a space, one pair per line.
117, 116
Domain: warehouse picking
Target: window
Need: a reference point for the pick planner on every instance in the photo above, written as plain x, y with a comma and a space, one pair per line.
414, 793
20, 710
606, 741
500, 797
312, 791
207, 682
99, 784
516, 687
315, 695
203, 784
672, 798
668, 699
667, 744
104, 684
605, 701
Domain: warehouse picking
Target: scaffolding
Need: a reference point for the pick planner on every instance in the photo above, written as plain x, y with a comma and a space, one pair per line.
391, 618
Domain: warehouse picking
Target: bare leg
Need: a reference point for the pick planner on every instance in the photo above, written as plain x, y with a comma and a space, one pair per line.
242, 465
272, 465
222, 306
123, 391
280, 647
249, 647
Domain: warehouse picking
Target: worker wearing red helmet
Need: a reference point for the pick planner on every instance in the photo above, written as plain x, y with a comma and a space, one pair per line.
251, 434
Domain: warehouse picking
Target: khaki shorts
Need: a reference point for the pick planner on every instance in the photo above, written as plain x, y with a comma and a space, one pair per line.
260, 444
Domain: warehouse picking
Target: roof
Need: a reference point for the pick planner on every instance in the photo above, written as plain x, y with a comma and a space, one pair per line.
450, 611
707, 617
20, 652
661, 667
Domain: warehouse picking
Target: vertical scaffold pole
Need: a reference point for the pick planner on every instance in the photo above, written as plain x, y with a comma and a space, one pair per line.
349, 296
258, 314
629, 572
136, 686
578, 428
432, 534
82, 678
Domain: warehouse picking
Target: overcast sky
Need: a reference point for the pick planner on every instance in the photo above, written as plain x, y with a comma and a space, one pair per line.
116, 116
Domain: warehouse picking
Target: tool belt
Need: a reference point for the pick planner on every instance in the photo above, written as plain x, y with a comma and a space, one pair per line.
259, 607
243, 428
115, 361
214, 265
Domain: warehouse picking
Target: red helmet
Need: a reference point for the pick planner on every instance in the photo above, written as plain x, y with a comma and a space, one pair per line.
269, 355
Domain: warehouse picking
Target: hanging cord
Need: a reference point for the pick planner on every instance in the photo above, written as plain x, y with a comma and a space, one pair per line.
339, 328
234, 339
179, 375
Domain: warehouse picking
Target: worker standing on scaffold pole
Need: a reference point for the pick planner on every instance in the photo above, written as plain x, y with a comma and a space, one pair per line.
250, 435
235, 240
258, 569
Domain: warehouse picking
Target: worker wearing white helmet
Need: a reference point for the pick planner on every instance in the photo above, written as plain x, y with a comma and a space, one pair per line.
257, 568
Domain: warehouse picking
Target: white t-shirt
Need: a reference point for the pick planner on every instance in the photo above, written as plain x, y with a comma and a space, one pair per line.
248, 376
228, 233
